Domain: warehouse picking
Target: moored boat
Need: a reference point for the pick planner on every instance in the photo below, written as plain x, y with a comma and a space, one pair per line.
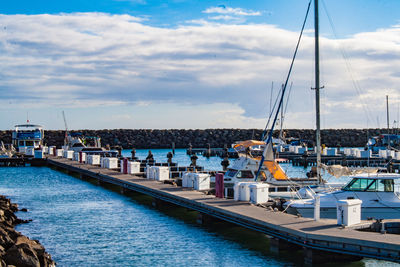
379, 193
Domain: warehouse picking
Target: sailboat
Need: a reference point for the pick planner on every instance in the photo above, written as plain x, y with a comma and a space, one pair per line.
379, 192
248, 168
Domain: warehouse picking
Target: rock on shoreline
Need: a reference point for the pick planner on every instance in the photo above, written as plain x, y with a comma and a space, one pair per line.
15, 248
145, 138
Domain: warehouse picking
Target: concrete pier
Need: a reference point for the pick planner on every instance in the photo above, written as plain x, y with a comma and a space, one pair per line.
323, 236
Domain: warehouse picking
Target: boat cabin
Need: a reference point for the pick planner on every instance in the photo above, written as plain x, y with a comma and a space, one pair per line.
380, 182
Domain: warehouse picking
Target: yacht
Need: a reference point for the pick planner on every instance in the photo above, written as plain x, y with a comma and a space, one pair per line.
27, 136
379, 192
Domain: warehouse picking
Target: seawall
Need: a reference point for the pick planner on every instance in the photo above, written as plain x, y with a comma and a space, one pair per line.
145, 138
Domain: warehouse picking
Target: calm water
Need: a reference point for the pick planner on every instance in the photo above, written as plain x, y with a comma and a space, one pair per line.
82, 224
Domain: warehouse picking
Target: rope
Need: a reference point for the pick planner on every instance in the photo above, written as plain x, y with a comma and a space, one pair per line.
283, 90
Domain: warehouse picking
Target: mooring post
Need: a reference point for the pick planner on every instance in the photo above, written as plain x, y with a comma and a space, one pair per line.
317, 205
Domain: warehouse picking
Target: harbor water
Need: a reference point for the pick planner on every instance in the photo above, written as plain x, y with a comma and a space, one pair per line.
83, 224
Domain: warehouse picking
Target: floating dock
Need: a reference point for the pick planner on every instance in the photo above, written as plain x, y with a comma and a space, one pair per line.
320, 240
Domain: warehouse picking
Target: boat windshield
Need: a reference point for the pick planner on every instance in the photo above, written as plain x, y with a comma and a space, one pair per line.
231, 173
370, 185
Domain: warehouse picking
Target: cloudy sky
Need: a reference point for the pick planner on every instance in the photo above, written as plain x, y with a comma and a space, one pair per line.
195, 64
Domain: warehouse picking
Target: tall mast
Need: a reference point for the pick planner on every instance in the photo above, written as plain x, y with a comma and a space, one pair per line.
387, 113
317, 87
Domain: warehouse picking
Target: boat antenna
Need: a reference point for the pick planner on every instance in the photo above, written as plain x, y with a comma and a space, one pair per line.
283, 94
317, 88
27, 117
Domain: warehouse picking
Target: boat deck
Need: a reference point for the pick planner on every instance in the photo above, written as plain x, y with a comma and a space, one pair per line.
324, 235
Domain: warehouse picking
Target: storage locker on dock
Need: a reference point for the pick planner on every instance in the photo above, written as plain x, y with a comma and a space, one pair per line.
150, 172
133, 167
187, 180
241, 191
201, 181
59, 152
161, 173
110, 163
259, 193
68, 154
348, 211
93, 159
52, 150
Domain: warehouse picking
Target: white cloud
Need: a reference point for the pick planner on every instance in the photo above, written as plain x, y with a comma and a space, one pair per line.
229, 10
97, 60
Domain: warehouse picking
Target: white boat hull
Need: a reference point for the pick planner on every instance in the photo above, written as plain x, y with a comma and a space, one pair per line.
366, 213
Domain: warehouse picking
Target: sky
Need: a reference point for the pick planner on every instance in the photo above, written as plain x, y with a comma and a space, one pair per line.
144, 64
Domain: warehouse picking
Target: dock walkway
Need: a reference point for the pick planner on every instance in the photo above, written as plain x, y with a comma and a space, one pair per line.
323, 235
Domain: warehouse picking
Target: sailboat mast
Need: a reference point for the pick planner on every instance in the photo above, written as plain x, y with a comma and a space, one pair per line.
317, 87
387, 113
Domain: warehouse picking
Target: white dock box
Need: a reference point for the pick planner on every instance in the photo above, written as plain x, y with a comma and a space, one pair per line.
68, 154
22, 149
348, 211
46, 149
242, 191
39, 154
76, 156
382, 154
150, 172
161, 173
59, 152
397, 155
52, 150
259, 193
133, 167
93, 159
187, 179
201, 181
110, 163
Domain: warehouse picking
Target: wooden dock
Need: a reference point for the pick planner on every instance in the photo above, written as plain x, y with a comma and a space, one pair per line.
317, 238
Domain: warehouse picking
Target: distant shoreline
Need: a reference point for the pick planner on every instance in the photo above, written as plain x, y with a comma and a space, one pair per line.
145, 138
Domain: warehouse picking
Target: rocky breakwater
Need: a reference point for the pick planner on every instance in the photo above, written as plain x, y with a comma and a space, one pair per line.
146, 138
15, 248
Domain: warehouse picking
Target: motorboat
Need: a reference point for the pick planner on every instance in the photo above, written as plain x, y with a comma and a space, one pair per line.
77, 142
27, 136
383, 142
379, 193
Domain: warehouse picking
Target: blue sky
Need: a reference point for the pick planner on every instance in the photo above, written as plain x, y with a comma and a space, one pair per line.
194, 64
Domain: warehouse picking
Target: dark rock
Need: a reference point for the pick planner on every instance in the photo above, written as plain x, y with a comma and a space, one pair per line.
22, 255
144, 138
16, 249
24, 210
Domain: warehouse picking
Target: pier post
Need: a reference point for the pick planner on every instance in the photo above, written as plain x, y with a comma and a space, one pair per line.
204, 219
277, 245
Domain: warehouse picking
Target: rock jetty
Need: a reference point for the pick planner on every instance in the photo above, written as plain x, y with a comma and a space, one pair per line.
145, 138
15, 248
